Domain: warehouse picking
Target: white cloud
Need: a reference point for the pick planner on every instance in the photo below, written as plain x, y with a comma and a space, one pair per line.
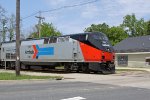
123, 7
136, 6
50, 18
56, 2
90, 11
70, 27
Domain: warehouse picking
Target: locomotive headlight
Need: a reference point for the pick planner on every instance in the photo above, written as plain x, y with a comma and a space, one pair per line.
103, 57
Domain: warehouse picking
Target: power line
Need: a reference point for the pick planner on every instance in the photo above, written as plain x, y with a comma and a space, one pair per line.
63, 7
71, 6
30, 15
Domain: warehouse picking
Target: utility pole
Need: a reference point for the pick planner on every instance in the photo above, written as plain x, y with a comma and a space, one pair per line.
39, 23
17, 37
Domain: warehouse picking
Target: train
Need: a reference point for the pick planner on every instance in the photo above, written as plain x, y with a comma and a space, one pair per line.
86, 52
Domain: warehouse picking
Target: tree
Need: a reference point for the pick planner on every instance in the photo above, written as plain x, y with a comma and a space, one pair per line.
2, 14
115, 34
148, 27
11, 26
4, 28
98, 28
3, 22
133, 26
46, 31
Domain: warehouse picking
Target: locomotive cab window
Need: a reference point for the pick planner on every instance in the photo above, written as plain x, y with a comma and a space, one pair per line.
63, 39
101, 37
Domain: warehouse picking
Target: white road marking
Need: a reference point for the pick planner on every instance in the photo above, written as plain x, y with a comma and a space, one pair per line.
112, 87
75, 98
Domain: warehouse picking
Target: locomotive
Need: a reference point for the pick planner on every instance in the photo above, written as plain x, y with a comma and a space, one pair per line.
84, 52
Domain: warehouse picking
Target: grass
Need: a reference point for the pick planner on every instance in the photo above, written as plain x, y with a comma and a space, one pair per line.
12, 76
59, 67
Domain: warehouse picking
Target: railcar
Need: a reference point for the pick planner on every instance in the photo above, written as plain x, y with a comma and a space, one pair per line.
76, 52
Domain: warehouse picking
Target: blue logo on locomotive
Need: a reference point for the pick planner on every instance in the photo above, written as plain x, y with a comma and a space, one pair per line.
42, 51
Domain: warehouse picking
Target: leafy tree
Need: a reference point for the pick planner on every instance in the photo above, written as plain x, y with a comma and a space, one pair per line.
115, 34
7, 25
148, 27
98, 28
133, 26
46, 31
3, 22
11, 26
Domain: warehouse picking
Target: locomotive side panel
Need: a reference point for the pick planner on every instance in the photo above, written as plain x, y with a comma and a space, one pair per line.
54, 52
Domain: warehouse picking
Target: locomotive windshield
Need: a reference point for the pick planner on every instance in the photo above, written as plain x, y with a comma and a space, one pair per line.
100, 37
100, 41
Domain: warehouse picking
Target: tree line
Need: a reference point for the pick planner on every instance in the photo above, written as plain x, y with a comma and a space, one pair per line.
7, 25
130, 27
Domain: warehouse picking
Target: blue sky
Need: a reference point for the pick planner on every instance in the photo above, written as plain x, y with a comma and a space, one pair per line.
75, 20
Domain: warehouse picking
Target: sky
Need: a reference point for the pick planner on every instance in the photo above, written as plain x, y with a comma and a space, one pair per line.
76, 19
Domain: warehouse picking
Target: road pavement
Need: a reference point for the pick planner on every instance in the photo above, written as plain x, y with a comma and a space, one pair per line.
62, 90
128, 85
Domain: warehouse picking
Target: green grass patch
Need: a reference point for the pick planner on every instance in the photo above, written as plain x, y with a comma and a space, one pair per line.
12, 76
59, 67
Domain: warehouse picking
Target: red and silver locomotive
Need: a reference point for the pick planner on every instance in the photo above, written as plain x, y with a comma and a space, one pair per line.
76, 52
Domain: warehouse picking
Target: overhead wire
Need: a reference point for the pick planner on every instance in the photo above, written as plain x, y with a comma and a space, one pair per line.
70, 6
30, 15
63, 7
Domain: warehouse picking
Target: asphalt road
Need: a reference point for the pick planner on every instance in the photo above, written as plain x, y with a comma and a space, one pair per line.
63, 90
